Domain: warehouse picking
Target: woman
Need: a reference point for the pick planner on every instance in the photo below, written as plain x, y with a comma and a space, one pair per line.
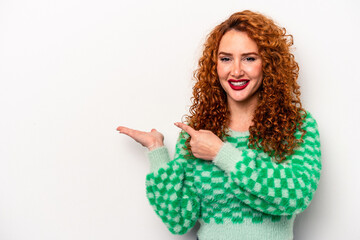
248, 159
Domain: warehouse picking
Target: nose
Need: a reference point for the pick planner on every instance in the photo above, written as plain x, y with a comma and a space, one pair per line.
237, 70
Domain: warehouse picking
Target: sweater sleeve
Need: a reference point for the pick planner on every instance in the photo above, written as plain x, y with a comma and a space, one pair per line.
275, 188
170, 189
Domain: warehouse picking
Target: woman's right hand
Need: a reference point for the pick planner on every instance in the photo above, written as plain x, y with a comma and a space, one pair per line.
150, 140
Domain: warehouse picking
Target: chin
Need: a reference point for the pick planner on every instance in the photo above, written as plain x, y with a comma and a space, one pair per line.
242, 98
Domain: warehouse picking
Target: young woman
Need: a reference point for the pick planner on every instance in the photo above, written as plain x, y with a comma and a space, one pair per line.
248, 158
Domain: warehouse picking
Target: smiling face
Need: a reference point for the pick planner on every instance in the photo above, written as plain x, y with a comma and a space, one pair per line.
239, 67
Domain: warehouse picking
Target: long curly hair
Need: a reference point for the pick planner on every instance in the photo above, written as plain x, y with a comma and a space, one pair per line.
279, 113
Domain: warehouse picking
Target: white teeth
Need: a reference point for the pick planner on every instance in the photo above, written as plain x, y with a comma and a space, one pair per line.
242, 83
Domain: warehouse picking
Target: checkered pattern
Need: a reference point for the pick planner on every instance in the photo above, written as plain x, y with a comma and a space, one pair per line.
171, 192
240, 185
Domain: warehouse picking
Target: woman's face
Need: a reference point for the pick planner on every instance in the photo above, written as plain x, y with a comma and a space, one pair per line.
239, 67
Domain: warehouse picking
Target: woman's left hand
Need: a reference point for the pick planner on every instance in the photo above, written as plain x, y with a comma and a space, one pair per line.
204, 143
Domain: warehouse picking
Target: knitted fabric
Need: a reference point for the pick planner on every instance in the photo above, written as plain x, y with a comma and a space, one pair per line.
242, 194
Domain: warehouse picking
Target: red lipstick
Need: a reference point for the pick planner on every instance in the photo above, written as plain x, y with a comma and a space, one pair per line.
238, 84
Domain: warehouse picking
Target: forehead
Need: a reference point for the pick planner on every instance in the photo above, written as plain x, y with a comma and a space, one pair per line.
235, 41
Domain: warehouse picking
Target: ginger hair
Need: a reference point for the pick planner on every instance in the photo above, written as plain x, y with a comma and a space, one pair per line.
279, 113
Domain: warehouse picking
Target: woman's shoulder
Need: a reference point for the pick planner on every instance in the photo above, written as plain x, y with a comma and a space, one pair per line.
308, 120
310, 126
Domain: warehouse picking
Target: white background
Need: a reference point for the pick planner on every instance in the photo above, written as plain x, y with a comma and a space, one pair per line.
71, 71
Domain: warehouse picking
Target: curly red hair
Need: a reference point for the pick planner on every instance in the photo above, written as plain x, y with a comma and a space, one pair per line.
279, 113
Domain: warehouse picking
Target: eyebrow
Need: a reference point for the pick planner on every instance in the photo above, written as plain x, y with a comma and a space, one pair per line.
244, 54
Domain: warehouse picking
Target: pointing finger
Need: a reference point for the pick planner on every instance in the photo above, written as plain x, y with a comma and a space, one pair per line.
186, 128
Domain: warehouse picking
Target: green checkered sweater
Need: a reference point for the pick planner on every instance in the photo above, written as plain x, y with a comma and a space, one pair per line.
241, 194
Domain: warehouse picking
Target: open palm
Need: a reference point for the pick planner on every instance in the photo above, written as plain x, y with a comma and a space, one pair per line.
150, 140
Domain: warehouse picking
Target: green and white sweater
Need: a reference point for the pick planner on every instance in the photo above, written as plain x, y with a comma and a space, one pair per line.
242, 194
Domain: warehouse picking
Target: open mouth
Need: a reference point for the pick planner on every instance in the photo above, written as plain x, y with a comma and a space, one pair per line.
238, 84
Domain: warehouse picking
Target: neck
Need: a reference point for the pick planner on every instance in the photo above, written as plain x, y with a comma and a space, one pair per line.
241, 114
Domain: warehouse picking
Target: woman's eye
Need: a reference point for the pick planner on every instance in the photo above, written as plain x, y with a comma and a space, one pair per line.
250, 59
224, 59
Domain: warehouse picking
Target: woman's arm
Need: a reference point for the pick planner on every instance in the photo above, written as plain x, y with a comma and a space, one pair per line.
170, 189
278, 189
169, 185
275, 188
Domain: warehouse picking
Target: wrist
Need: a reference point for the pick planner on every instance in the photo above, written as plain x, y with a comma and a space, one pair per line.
217, 149
155, 145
